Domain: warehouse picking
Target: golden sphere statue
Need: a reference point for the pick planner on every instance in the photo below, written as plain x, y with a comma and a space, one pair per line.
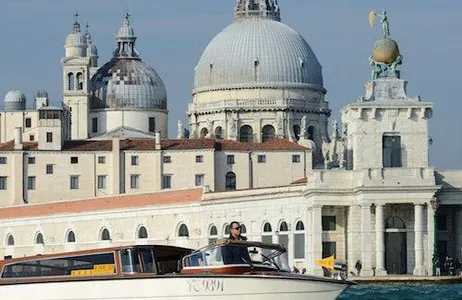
385, 51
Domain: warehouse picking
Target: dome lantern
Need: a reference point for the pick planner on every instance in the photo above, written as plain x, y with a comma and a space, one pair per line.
125, 39
261, 9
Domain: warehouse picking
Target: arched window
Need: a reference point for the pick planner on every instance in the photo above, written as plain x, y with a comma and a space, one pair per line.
311, 133
267, 235
267, 133
71, 237
213, 234
395, 222
230, 181
79, 81
39, 239
299, 240
142, 233
226, 231
105, 235
219, 133
246, 134
297, 132
183, 230
70, 82
204, 132
243, 229
10, 240
283, 237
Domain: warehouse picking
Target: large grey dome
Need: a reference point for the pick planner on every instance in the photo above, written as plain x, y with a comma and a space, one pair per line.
127, 83
257, 52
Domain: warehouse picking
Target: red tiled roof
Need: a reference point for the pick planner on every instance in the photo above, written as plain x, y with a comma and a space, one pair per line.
28, 146
167, 144
101, 204
272, 144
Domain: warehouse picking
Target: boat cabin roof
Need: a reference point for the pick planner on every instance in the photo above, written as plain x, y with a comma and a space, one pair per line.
94, 251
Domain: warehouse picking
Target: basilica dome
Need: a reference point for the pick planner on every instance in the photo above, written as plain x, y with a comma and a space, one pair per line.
257, 51
126, 81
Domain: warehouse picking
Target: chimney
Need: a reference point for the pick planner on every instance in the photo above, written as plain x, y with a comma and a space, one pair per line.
158, 146
18, 138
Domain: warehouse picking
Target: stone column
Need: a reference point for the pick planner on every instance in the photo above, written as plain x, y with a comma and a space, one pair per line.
366, 238
316, 238
430, 238
380, 241
419, 268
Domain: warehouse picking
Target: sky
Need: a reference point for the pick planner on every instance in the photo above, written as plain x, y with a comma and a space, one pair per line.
173, 34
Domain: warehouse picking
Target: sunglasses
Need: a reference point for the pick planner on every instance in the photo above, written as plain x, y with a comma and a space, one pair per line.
237, 228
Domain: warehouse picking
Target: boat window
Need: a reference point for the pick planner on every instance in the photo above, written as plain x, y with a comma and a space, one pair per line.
137, 261
232, 254
84, 265
168, 259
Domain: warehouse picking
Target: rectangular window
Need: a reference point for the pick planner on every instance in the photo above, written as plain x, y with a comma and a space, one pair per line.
94, 125
28, 123
296, 158
199, 158
135, 160
135, 181
3, 183
101, 181
391, 151
167, 159
74, 160
328, 223
31, 183
101, 159
199, 179
152, 124
230, 159
49, 137
328, 249
2, 160
31, 137
261, 158
74, 182
167, 181
31, 160
49, 169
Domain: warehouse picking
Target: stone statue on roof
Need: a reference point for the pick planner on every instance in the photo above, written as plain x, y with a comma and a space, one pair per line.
304, 127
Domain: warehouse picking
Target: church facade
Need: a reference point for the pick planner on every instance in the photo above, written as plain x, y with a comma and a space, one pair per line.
100, 169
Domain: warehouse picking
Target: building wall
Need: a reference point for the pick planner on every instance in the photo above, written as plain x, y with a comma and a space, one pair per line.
11, 120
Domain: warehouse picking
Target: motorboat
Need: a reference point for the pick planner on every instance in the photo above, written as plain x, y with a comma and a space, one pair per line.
225, 270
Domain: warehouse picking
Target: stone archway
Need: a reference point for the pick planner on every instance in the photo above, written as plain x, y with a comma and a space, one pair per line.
395, 246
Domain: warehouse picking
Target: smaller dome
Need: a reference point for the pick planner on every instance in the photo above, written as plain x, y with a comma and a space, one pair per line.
76, 38
385, 50
15, 100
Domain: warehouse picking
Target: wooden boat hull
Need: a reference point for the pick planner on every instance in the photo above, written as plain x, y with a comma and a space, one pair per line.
255, 287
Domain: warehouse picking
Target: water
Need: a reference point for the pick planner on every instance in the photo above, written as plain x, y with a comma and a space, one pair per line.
403, 291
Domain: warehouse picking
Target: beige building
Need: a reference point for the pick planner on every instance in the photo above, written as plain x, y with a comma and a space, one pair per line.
101, 171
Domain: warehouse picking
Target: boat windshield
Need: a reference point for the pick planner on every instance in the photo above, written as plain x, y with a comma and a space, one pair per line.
226, 252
